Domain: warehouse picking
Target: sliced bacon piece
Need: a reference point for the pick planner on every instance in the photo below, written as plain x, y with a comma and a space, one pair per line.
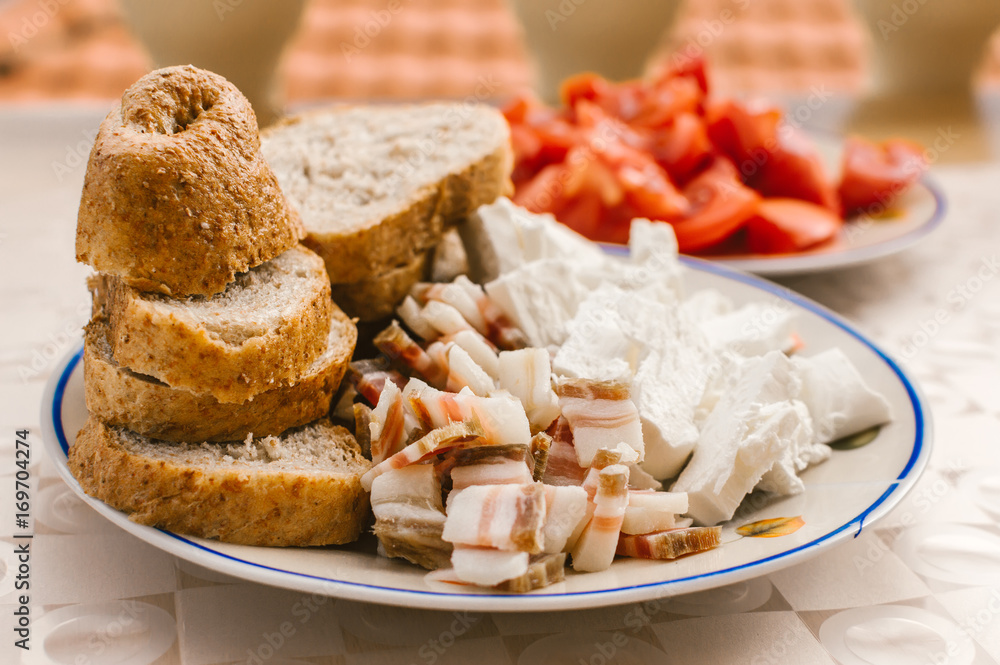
501, 472
595, 548
543, 570
444, 318
541, 443
400, 347
562, 466
485, 566
501, 416
601, 415
436, 441
650, 512
369, 377
412, 315
640, 479
409, 516
464, 372
565, 509
527, 374
458, 295
670, 544
506, 517
479, 349
391, 424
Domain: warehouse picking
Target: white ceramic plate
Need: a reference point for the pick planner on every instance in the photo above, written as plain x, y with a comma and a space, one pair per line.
843, 495
914, 216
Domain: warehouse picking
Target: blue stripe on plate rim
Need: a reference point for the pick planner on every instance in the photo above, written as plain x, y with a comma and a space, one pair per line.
907, 477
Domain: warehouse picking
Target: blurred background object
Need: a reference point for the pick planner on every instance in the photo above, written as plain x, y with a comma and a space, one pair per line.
613, 39
240, 39
919, 68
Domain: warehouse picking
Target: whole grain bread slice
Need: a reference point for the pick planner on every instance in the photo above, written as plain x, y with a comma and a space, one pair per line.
376, 186
177, 197
265, 330
301, 489
119, 396
377, 297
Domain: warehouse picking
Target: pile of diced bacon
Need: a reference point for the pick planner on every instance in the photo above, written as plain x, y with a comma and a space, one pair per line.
487, 464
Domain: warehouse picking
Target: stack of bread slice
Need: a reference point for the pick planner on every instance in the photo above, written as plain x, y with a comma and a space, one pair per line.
215, 348
378, 187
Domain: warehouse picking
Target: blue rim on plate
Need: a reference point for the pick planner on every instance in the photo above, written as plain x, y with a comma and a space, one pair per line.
183, 547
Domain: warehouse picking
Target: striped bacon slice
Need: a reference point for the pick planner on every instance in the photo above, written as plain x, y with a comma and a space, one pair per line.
485, 566
370, 376
565, 510
479, 349
412, 315
501, 416
527, 374
650, 512
400, 347
409, 516
543, 570
464, 372
670, 544
433, 443
541, 443
506, 517
461, 294
490, 465
595, 548
601, 415
391, 425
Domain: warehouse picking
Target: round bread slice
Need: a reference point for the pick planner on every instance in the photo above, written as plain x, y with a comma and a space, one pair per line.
376, 186
149, 407
177, 197
378, 296
300, 489
265, 330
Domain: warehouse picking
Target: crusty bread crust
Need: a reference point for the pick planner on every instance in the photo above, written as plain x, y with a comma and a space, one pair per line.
397, 240
121, 397
378, 296
177, 197
248, 504
148, 336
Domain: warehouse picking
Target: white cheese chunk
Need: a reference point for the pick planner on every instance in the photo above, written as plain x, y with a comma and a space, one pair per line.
839, 400
752, 330
540, 298
749, 430
501, 237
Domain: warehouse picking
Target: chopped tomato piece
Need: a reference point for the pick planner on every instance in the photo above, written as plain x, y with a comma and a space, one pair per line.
682, 148
789, 225
720, 206
876, 173
793, 169
745, 136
